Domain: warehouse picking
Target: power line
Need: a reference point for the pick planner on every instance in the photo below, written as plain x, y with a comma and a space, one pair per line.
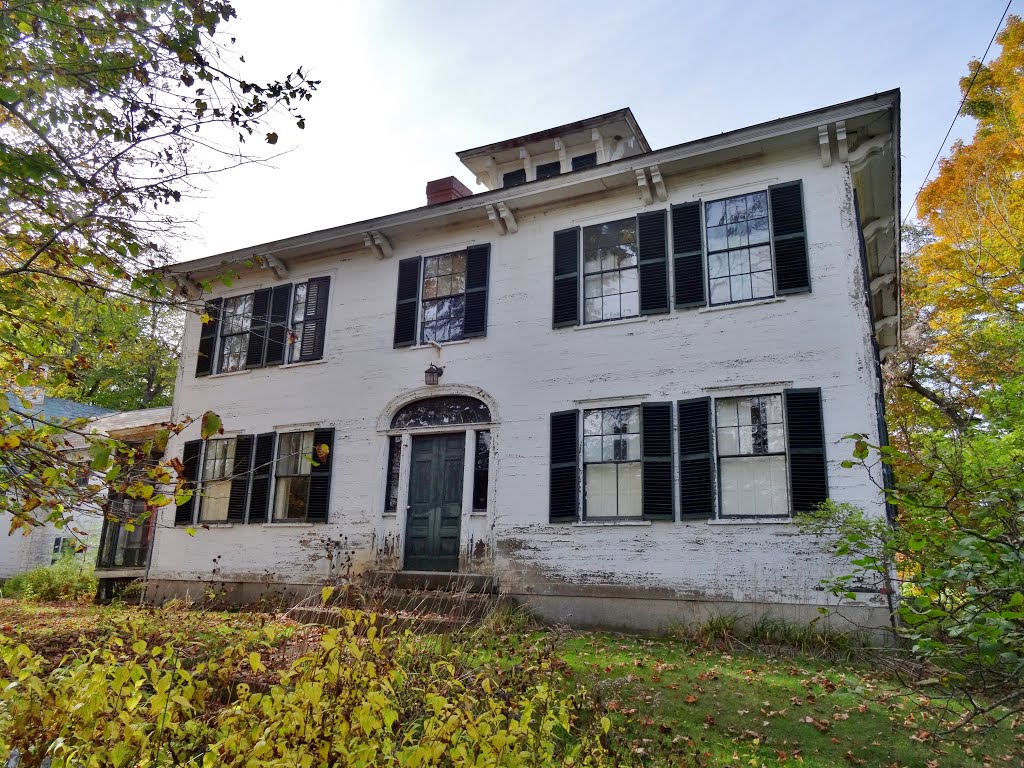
956, 116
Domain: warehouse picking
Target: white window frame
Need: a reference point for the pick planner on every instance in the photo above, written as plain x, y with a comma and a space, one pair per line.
720, 512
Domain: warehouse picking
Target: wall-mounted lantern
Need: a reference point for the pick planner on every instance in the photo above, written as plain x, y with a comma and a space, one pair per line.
433, 374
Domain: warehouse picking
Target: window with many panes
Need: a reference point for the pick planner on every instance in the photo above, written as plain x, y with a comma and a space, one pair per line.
611, 463
610, 275
291, 473
738, 249
444, 297
236, 316
751, 443
215, 480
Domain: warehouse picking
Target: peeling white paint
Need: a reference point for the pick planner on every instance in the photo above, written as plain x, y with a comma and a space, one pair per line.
821, 339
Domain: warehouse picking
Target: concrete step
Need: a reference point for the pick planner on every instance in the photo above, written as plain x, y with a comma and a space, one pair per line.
388, 622
473, 583
455, 604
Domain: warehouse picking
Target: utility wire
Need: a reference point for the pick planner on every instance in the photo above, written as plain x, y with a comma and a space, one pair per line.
956, 116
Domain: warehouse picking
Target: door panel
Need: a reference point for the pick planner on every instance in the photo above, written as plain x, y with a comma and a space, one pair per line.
435, 503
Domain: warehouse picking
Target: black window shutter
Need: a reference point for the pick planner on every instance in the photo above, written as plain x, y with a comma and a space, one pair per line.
805, 439
478, 268
566, 310
208, 338
653, 246
564, 479
407, 302
314, 323
789, 238
277, 324
262, 471
656, 440
320, 477
185, 513
254, 353
688, 255
696, 460
241, 476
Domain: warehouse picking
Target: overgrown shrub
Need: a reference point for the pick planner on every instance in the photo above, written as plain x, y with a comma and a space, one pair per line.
67, 579
362, 696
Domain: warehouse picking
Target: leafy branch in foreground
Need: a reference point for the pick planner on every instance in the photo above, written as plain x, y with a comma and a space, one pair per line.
110, 112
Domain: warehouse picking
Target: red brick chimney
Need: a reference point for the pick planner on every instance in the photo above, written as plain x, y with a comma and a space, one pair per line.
445, 190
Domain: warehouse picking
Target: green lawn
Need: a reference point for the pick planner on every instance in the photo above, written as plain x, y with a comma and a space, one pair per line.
675, 703
671, 701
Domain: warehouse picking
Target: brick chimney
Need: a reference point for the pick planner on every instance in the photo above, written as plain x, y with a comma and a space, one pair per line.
445, 190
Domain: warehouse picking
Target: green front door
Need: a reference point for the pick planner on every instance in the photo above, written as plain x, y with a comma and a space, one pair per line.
435, 503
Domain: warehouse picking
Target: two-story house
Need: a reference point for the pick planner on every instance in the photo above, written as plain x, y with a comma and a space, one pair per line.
609, 380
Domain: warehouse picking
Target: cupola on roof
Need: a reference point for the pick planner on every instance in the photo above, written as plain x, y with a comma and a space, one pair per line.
552, 152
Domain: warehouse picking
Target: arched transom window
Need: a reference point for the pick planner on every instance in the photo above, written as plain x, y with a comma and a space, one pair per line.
443, 411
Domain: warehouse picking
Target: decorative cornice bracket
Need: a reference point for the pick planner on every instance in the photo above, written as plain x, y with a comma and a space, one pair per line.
496, 220
508, 218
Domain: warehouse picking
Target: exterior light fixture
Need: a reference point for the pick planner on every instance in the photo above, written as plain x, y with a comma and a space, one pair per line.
433, 374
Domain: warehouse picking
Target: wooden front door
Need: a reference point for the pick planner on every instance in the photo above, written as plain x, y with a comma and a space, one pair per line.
435, 503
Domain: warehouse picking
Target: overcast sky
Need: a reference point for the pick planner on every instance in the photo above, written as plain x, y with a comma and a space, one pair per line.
406, 84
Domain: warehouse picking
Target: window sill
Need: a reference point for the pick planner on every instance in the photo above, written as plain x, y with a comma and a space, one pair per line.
613, 524
429, 345
228, 373
300, 364
204, 526
610, 323
738, 304
478, 513
752, 521
286, 525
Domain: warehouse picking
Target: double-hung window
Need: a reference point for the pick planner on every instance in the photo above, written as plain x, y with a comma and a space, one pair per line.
739, 252
271, 326
611, 279
257, 478
751, 446
295, 456
236, 317
215, 480
611, 462
442, 297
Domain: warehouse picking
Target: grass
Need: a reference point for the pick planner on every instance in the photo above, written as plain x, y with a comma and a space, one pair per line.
679, 701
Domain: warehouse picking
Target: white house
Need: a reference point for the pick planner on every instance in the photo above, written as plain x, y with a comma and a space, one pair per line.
645, 363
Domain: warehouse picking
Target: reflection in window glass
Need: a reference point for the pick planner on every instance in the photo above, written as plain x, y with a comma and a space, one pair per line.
236, 314
291, 486
611, 459
215, 480
444, 297
739, 254
751, 445
610, 277
481, 465
441, 411
394, 467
